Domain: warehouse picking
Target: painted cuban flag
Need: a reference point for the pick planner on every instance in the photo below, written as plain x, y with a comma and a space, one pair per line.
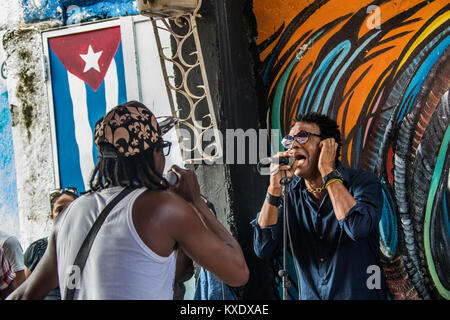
88, 79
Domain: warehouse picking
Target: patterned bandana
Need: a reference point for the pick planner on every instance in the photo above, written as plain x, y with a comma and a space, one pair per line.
131, 128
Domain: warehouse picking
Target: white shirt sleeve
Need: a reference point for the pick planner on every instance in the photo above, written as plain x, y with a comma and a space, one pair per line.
14, 253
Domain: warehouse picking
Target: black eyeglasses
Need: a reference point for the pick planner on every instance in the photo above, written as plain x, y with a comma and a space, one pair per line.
302, 137
164, 147
57, 192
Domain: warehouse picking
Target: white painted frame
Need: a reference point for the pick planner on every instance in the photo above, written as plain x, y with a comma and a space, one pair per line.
131, 67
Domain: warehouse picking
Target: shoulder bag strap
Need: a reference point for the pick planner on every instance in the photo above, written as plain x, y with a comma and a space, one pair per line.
83, 253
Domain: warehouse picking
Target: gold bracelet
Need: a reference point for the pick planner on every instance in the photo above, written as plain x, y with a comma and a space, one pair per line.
333, 180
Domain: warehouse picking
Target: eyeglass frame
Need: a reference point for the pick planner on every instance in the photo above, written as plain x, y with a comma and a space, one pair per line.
296, 136
164, 145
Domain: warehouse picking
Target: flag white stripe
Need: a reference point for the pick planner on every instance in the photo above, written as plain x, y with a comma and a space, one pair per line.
111, 87
83, 132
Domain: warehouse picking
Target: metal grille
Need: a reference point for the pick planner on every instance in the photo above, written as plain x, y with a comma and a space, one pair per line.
200, 139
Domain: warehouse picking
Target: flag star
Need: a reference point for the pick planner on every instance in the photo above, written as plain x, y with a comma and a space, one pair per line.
91, 58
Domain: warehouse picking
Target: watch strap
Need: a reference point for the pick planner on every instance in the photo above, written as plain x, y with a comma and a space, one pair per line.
335, 174
273, 200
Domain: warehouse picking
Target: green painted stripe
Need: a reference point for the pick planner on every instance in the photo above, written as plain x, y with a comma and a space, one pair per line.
276, 105
431, 195
280, 88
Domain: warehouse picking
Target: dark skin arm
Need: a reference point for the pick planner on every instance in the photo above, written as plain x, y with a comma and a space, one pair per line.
212, 247
189, 189
162, 219
173, 220
269, 213
27, 272
187, 220
341, 199
20, 277
5, 292
185, 267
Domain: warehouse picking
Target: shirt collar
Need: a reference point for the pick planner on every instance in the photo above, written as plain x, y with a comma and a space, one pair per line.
296, 181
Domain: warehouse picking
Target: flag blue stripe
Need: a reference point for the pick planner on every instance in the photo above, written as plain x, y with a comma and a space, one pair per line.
68, 154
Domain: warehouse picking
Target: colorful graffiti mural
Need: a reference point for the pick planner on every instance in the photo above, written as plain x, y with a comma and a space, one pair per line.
381, 69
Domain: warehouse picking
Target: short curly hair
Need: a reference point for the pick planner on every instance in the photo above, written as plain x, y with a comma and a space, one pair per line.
328, 128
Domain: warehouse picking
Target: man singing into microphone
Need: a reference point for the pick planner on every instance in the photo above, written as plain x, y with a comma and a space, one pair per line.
333, 215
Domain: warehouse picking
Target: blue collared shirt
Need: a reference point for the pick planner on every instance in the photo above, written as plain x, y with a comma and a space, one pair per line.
335, 259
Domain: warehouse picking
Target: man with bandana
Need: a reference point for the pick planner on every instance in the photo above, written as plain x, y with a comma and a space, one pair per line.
136, 253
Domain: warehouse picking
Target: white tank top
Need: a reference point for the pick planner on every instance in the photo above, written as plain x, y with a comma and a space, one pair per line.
119, 265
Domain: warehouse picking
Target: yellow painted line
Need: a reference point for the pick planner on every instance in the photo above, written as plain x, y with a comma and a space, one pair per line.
433, 26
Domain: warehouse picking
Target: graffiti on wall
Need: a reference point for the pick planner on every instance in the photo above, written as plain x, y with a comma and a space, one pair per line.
76, 11
9, 214
381, 70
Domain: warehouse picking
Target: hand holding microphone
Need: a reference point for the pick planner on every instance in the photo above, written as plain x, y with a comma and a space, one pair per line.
184, 183
280, 166
171, 178
275, 160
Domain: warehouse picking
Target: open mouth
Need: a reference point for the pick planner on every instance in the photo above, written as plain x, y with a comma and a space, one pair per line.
300, 159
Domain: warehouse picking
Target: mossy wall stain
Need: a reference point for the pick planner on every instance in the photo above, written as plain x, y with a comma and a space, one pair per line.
28, 80
26, 88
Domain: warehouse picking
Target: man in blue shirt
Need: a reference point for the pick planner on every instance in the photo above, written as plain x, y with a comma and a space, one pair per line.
333, 216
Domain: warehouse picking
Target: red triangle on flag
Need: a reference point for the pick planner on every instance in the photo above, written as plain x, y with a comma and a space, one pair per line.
87, 55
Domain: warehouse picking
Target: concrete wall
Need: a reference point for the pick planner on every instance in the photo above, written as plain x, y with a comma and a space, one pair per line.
29, 112
9, 213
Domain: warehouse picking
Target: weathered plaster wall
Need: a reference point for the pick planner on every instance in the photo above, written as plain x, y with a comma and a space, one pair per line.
31, 135
9, 215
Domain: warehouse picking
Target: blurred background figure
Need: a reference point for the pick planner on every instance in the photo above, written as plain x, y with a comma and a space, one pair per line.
59, 199
7, 283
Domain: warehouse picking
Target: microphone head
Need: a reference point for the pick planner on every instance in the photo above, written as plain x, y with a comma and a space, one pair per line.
264, 164
171, 178
288, 161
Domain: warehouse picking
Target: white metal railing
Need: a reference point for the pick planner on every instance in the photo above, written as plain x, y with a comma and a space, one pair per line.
197, 121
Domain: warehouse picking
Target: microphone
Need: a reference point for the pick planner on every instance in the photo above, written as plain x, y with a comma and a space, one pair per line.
281, 161
171, 178
266, 162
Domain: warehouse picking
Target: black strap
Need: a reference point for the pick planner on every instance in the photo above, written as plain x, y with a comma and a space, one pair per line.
273, 200
82, 255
